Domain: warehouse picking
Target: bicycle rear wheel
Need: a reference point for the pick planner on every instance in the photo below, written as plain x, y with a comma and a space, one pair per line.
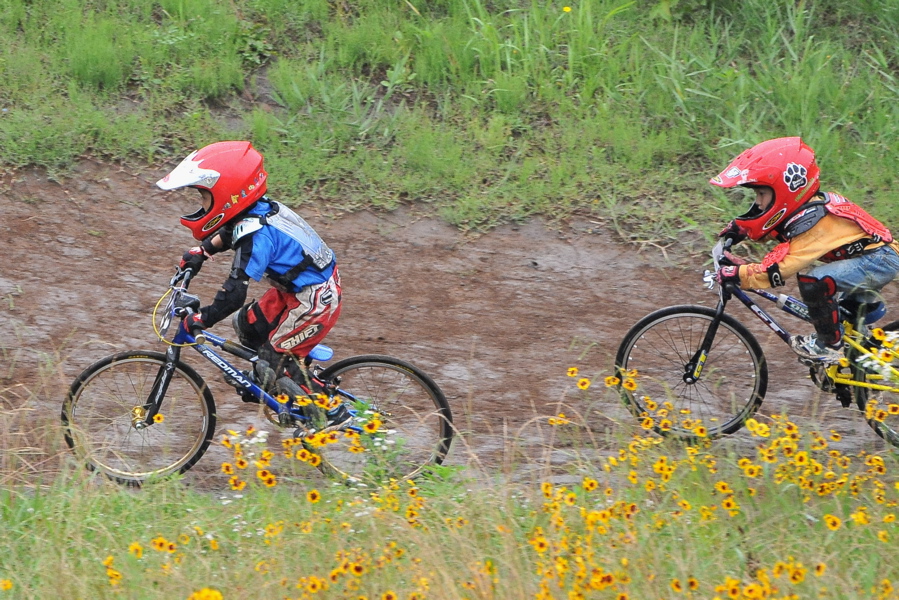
100, 419
405, 419
661, 348
880, 407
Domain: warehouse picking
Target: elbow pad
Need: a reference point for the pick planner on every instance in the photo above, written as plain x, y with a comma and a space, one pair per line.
229, 298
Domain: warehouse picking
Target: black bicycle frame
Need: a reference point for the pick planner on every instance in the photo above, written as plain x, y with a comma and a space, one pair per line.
693, 369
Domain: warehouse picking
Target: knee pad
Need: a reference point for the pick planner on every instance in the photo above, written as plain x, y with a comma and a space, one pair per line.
814, 290
820, 297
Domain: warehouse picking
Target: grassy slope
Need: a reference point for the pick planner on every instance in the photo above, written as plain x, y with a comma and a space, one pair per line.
487, 111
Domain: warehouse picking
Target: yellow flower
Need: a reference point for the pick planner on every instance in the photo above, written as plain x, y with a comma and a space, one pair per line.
590, 484
282, 398
136, 549
883, 536
547, 489
583, 383
206, 594
566, 9
5, 585
572, 371
629, 384
158, 418
227, 468
560, 420
611, 381
159, 543
833, 523
878, 334
372, 426
540, 544
313, 496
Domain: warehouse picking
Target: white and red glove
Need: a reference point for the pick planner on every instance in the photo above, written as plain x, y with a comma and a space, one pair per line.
728, 274
734, 232
193, 259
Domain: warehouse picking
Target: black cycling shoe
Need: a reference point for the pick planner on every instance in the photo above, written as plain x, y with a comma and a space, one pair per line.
338, 419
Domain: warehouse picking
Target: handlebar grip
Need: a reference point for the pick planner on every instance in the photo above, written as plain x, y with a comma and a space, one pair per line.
200, 338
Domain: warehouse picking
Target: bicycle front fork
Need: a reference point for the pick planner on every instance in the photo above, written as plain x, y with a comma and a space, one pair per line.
142, 416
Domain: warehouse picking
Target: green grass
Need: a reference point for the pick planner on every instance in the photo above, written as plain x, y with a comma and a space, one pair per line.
488, 111
638, 517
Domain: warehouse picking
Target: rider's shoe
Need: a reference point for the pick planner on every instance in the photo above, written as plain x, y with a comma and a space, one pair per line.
264, 375
806, 346
338, 419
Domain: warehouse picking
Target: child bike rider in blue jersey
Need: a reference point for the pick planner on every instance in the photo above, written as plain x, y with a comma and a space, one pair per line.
269, 240
859, 253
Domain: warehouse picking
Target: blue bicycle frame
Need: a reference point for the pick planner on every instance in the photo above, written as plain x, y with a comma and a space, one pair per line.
203, 342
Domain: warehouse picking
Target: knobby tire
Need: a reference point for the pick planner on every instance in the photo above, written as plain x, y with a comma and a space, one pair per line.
97, 420
732, 384
416, 421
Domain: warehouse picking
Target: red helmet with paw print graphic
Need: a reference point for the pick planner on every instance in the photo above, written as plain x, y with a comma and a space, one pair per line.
231, 171
786, 165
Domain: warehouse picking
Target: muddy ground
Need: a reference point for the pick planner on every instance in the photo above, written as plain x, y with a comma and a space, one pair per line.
496, 319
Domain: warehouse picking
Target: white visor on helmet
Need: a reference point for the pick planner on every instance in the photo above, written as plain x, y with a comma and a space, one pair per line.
189, 173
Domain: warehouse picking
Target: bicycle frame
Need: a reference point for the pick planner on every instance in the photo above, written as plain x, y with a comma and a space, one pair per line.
797, 309
183, 338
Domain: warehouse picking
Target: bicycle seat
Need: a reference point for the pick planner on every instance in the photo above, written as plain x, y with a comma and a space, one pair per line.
323, 353
873, 311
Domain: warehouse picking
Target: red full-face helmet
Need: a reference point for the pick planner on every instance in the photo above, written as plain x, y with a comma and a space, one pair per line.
786, 165
233, 174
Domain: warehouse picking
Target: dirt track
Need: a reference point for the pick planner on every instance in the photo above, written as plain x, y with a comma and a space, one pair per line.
496, 319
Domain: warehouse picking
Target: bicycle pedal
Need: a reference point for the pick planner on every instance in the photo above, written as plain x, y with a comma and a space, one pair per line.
844, 395
302, 432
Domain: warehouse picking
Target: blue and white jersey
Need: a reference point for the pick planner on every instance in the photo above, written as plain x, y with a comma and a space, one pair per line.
272, 240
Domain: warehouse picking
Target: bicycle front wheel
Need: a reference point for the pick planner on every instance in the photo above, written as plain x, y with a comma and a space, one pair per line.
661, 350
880, 407
102, 424
405, 421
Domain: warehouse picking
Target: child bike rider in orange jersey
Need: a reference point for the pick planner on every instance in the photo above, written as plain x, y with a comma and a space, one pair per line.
859, 253
269, 240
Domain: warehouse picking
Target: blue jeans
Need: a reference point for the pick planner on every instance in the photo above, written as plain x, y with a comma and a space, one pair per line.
861, 278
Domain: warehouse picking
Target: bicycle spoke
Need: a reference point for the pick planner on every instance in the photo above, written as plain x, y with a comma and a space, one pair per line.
661, 347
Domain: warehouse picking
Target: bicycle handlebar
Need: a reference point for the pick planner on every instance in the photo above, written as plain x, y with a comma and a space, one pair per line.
183, 277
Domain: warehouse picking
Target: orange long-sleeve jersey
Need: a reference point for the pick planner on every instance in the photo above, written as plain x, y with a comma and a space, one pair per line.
829, 233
